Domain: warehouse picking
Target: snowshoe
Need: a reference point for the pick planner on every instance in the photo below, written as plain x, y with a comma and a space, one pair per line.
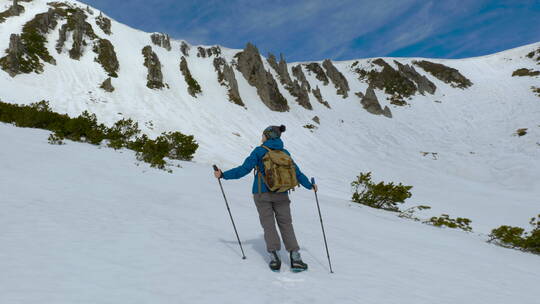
297, 265
275, 262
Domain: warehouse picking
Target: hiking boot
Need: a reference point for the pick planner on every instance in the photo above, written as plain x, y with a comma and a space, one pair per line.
297, 265
275, 262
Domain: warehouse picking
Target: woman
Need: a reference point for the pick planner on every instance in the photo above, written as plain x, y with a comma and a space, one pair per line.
272, 206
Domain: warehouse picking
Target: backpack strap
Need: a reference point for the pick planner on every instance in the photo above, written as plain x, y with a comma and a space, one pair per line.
268, 149
259, 175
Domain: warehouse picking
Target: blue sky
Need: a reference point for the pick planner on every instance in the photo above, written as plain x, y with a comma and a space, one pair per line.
339, 29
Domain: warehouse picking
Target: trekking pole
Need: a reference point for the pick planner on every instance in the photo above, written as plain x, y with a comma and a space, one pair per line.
229, 209
322, 226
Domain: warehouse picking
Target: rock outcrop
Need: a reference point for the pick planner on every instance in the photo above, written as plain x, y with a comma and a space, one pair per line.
162, 40
281, 69
227, 79
152, 63
372, 105
423, 84
294, 88
184, 48
107, 85
14, 10
318, 71
202, 52
249, 63
444, 73
317, 93
337, 78
77, 25
388, 79
28, 50
299, 74
106, 56
12, 62
104, 24
193, 86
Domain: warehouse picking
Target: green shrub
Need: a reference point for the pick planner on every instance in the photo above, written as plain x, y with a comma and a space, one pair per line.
124, 133
381, 195
516, 237
445, 220
525, 72
173, 145
521, 132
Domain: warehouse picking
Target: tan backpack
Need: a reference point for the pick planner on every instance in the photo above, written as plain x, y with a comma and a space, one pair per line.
279, 171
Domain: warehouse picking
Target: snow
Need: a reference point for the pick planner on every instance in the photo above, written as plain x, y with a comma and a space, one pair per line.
87, 225
83, 224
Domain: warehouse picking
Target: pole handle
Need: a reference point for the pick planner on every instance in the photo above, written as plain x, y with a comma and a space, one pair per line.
215, 168
313, 180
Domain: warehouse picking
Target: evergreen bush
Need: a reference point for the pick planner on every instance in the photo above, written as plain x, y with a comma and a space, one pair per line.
516, 237
445, 220
380, 195
124, 133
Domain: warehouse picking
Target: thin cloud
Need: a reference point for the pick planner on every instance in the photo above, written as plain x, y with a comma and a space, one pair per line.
347, 29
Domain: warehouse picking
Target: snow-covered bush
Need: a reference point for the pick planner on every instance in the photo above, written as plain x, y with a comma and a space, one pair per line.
381, 195
516, 237
445, 220
410, 212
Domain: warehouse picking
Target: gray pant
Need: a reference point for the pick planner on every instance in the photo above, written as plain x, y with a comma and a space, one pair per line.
276, 206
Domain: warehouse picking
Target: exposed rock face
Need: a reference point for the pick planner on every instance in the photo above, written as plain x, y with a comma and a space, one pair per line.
386, 112
162, 40
106, 57
388, 79
317, 120
317, 93
227, 79
28, 50
77, 25
152, 63
14, 10
215, 50
337, 78
301, 94
104, 23
202, 52
372, 105
80, 27
299, 74
107, 85
11, 63
422, 82
281, 69
444, 73
193, 86
319, 72
249, 63
184, 48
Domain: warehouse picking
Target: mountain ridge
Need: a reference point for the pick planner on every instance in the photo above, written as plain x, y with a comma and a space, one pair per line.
470, 129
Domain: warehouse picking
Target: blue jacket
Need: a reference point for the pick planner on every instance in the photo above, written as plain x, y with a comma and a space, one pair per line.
255, 159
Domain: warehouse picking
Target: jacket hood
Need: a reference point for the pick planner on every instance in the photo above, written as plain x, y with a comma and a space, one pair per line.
274, 144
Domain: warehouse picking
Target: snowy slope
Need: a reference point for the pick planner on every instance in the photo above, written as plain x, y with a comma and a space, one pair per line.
483, 171
85, 225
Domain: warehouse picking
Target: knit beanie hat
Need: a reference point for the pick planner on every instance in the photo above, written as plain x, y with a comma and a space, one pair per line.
273, 131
